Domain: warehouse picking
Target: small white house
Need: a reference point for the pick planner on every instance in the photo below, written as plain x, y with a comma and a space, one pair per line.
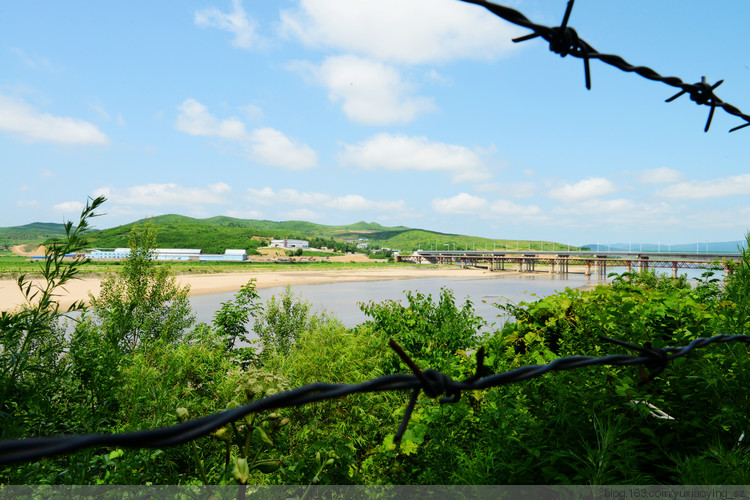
287, 243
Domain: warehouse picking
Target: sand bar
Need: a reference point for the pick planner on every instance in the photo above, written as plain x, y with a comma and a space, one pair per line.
200, 284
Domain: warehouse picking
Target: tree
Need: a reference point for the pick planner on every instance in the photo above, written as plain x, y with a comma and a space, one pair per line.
281, 323
230, 322
143, 304
31, 341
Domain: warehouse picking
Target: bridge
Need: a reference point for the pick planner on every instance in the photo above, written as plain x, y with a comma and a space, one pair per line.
560, 262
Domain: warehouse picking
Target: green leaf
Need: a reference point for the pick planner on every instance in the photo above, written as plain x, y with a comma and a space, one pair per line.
263, 435
268, 466
241, 471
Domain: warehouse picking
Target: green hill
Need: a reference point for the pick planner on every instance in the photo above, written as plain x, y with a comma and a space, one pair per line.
177, 231
36, 232
216, 234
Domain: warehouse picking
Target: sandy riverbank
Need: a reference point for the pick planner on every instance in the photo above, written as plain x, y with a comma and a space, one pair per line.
200, 284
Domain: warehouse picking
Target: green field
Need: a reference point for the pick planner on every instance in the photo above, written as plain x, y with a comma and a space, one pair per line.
11, 267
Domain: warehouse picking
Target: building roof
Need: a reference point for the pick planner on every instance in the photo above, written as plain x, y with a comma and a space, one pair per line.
179, 251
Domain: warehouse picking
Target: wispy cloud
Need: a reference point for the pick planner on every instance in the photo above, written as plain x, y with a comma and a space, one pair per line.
304, 214
265, 145
68, 207
37, 63
21, 120
157, 195
467, 204
399, 152
237, 22
736, 185
661, 175
348, 203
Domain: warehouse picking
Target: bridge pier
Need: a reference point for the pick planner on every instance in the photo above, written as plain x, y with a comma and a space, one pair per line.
644, 263
587, 273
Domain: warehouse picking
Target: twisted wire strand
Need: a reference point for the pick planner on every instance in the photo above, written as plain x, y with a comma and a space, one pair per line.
565, 41
432, 382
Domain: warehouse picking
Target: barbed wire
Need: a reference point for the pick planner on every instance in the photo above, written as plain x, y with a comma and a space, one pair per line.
432, 382
565, 41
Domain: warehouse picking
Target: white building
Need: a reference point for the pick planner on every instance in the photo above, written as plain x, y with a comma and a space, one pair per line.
179, 254
287, 243
116, 254
229, 255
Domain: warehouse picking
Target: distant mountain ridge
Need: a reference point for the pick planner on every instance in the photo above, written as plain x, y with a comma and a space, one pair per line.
697, 247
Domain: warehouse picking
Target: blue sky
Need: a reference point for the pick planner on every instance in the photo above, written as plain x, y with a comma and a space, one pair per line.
420, 113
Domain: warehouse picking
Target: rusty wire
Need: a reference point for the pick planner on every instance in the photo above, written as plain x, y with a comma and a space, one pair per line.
564, 40
434, 384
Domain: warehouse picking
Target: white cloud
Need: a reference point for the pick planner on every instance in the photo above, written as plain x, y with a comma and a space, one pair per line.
400, 152
347, 203
714, 188
592, 208
167, 194
194, 119
69, 207
266, 145
236, 22
411, 32
303, 214
462, 203
20, 119
586, 189
501, 208
466, 204
272, 147
512, 189
661, 175
370, 92
28, 203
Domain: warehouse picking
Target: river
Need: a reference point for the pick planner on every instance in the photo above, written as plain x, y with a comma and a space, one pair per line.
342, 299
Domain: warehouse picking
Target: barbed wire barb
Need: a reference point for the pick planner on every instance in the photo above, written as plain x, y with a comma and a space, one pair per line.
564, 40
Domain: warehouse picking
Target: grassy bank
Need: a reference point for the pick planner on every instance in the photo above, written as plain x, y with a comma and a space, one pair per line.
11, 267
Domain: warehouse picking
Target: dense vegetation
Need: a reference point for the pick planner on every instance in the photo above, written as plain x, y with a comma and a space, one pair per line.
139, 361
216, 234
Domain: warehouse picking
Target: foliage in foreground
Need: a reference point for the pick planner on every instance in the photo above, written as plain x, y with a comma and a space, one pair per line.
138, 362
